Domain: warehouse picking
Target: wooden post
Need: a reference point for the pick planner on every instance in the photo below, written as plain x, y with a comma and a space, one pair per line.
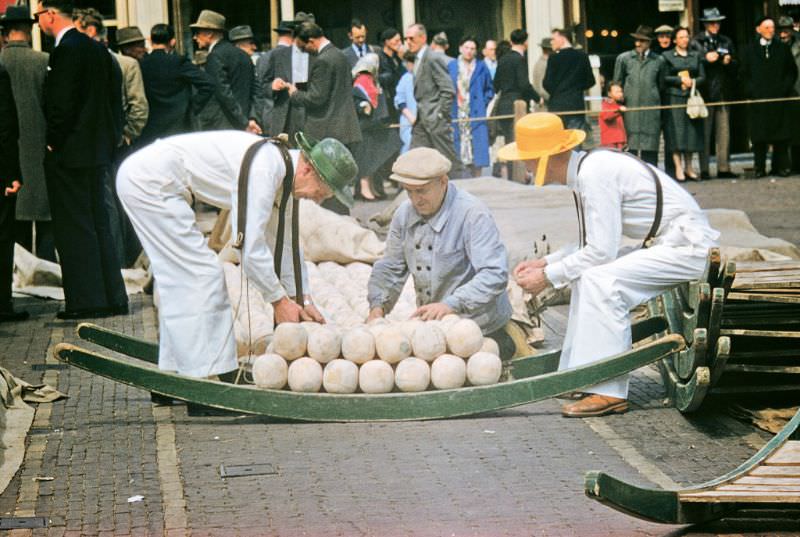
274, 21
518, 168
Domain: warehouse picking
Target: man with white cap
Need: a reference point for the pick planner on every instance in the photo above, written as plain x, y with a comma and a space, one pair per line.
156, 186
448, 241
619, 195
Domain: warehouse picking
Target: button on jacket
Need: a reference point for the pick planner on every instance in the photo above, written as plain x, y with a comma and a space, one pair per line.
455, 257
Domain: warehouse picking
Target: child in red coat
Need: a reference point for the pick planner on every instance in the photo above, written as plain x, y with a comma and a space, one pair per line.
612, 126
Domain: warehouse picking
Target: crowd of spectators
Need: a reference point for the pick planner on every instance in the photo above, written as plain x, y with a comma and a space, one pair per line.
84, 112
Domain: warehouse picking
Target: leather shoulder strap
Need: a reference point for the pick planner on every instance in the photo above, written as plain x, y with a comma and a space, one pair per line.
244, 181
648, 240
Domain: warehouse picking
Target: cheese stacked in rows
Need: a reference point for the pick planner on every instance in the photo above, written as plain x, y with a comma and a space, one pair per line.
409, 356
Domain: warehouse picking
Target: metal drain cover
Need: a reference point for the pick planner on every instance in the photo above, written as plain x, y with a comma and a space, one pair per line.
242, 470
24, 522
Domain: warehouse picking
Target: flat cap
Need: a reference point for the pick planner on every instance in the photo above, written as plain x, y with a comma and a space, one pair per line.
664, 29
419, 166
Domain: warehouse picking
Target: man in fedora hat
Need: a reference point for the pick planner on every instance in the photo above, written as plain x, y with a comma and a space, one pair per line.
28, 69
10, 186
620, 196
720, 65
768, 71
791, 39
79, 101
237, 100
264, 68
136, 109
447, 240
157, 185
243, 37
639, 71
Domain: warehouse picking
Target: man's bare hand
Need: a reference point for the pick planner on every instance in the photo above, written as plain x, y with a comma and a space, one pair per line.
13, 189
726, 59
532, 280
253, 127
279, 84
375, 313
292, 89
712, 56
314, 314
433, 312
531, 264
287, 311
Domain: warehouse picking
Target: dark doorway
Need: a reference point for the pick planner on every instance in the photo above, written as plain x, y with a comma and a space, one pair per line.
335, 17
609, 24
481, 19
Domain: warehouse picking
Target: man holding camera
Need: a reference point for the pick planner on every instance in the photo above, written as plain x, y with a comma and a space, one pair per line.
718, 59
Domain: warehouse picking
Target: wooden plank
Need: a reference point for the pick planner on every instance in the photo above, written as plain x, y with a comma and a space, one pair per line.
758, 266
731, 496
753, 297
767, 480
747, 368
761, 487
776, 471
760, 333
787, 455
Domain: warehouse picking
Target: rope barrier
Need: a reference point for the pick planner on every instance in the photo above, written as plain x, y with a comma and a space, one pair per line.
630, 109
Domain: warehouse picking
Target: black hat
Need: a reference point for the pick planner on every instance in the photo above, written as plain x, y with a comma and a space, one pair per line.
17, 14
285, 27
644, 33
712, 14
240, 33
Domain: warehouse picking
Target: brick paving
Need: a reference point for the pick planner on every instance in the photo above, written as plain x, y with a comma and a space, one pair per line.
515, 472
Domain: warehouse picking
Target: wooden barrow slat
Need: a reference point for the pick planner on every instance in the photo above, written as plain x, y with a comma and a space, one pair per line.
712, 500
363, 407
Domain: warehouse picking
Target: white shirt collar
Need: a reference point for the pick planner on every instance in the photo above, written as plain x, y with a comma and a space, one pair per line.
63, 31
322, 47
421, 53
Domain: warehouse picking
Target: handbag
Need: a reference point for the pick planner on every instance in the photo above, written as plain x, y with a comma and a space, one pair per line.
696, 107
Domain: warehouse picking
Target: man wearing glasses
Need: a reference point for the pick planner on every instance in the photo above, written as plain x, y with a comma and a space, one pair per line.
80, 143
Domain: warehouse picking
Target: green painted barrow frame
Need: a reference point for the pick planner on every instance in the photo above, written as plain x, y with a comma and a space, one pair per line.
527, 384
674, 506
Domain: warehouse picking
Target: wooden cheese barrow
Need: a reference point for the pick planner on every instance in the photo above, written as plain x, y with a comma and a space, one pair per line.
532, 379
768, 482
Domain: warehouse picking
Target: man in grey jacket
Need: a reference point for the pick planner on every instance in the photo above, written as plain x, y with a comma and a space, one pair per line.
28, 69
434, 92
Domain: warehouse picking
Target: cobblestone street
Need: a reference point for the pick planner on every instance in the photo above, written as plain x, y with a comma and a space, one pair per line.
516, 472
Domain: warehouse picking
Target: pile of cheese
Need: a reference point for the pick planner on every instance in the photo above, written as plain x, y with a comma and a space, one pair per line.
409, 356
338, 291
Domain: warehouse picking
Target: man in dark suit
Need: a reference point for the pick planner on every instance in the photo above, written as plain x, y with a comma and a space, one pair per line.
434, 92
568, 75
358, 43
512, 83
285, 65
237, 99
168, 82
80, 141
264, 68
10, 184
328, 101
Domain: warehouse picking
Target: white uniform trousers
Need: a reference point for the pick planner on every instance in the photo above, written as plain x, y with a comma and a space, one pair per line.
195, 320
599, 323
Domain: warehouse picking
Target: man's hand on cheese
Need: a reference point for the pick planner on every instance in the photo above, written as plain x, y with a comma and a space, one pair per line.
433, 312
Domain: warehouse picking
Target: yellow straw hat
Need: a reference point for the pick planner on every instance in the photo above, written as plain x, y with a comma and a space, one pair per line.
540, 135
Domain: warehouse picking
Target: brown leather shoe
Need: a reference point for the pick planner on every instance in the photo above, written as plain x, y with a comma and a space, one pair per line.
595, 405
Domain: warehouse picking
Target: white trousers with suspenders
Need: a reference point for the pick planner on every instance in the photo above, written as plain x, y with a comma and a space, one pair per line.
196, 335
603, 296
